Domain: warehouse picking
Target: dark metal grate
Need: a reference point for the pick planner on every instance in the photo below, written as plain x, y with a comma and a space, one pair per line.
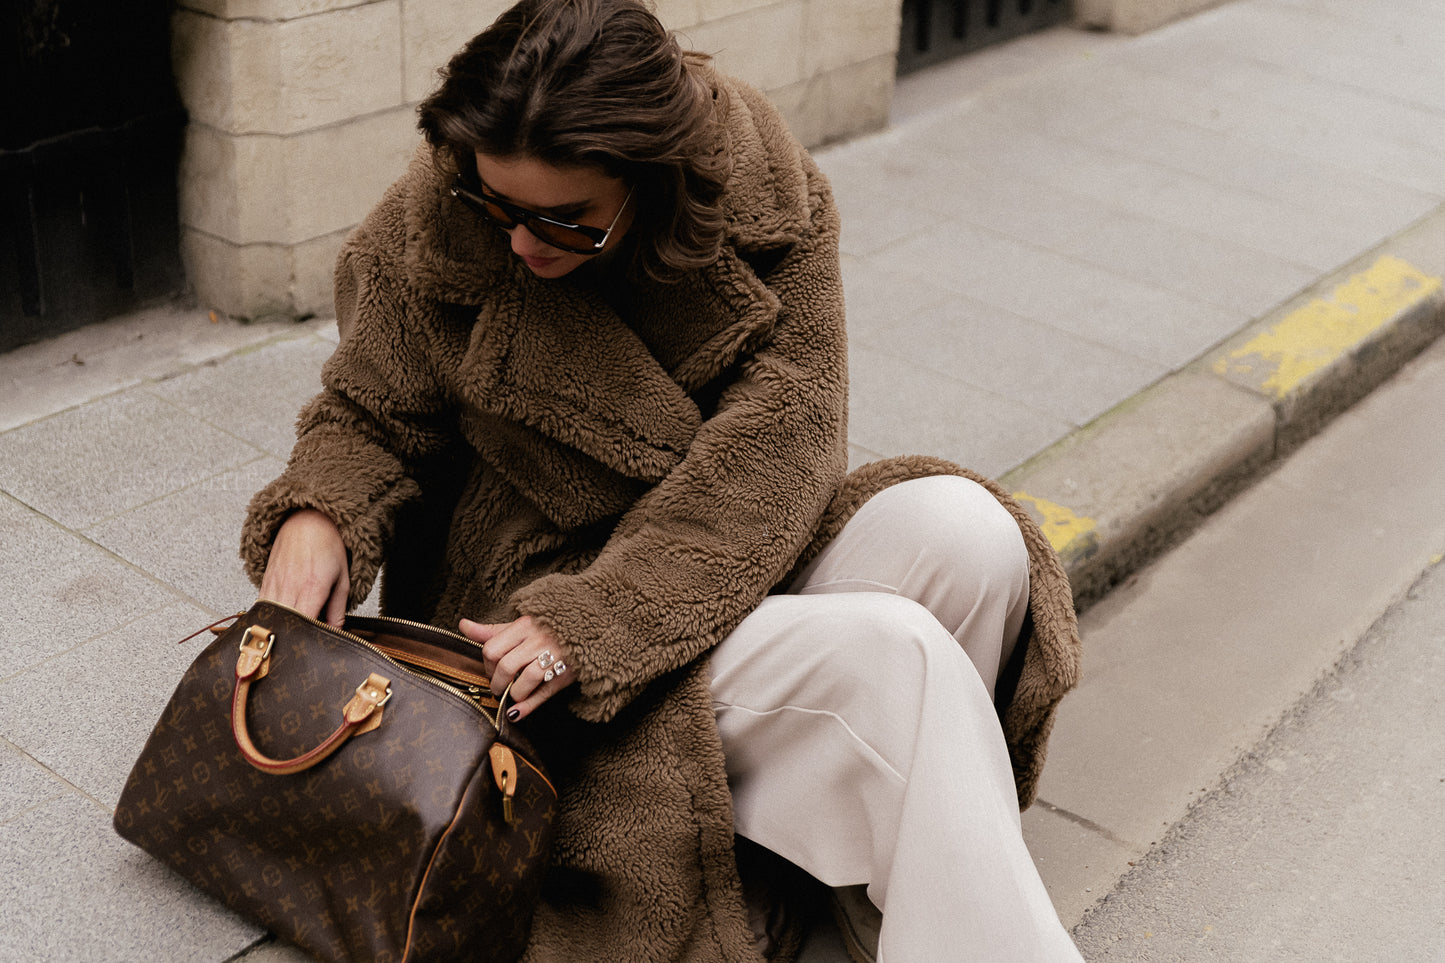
90, 139
935, 30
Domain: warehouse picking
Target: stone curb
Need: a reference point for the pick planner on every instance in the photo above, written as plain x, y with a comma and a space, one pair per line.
1117, 492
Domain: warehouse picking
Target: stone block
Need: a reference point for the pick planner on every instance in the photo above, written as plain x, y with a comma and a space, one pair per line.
262, 281
679, 15
244, 281
285, 76
434, 30
232, 187
201, 55
840, 103
763, 46
313, 270
839, 33
335, 175
261, 189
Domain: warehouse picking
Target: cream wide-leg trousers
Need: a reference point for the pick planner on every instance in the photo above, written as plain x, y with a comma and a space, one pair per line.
861, 739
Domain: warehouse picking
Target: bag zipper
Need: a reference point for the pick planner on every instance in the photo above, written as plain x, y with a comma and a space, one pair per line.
445, 687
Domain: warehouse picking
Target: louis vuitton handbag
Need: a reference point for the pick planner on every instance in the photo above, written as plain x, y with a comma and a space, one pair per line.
357, 792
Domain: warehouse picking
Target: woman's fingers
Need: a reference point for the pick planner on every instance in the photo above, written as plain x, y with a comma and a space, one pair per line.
523, 707
479, 632
336, 605
524, 656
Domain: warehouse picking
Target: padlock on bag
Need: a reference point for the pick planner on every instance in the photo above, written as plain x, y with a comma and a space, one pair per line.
357, 791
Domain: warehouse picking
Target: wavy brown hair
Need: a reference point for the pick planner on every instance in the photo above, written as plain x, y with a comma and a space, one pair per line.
595, 83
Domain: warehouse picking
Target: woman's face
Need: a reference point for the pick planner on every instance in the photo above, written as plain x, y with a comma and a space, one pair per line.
580, 195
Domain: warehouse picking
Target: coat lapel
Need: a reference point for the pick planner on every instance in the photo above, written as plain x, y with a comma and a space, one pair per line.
555, 357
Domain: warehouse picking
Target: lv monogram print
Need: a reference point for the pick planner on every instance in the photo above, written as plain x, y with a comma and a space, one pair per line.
393, 849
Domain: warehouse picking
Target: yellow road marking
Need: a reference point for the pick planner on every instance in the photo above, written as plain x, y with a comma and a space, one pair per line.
1068, 533
1314, 336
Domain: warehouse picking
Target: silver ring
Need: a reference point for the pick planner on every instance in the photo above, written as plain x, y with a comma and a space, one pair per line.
545, 659
559, 667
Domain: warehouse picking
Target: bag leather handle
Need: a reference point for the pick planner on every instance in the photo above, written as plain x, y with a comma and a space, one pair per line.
360, 715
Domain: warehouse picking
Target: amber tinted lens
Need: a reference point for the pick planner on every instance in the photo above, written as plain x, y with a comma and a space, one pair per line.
561, 237
495, 213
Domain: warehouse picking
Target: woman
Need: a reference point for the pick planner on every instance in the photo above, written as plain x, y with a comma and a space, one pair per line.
589, 404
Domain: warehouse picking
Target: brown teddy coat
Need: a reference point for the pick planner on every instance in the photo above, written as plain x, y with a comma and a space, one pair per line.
636, 467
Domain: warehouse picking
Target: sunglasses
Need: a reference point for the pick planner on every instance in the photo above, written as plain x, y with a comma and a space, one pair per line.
563, 235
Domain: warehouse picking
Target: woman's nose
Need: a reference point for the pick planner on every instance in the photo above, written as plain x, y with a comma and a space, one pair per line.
527, 244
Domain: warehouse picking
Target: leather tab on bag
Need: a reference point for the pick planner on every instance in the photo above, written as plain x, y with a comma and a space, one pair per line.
370, 696
253, 662
504, 771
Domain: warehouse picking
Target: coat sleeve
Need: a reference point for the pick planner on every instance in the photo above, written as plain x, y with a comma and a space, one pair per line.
359, 441
702, 548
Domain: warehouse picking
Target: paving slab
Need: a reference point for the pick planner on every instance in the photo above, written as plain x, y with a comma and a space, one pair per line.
86, 464
1143, 473
25, 783
61, 590
100, 359
898, 390
1131, 317
253, 394
1047, 370
199, 555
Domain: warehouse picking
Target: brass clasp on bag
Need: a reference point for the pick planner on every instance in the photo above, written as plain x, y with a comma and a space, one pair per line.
255, 653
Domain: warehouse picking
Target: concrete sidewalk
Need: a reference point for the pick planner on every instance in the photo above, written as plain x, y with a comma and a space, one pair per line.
1122, 273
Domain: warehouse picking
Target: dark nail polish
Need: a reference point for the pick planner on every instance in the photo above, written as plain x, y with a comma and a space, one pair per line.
513, 713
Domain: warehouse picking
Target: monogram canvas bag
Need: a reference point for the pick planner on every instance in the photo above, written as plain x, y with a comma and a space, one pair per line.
357, 792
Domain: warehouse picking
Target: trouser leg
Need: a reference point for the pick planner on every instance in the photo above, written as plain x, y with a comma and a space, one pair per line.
945, 543
862, 744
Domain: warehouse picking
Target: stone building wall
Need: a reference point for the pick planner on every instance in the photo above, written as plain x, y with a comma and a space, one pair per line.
303, 111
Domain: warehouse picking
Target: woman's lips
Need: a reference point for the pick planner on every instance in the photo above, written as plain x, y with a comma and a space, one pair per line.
539, 263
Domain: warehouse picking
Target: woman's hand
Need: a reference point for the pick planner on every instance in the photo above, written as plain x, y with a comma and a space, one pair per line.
514, 653
307, 569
